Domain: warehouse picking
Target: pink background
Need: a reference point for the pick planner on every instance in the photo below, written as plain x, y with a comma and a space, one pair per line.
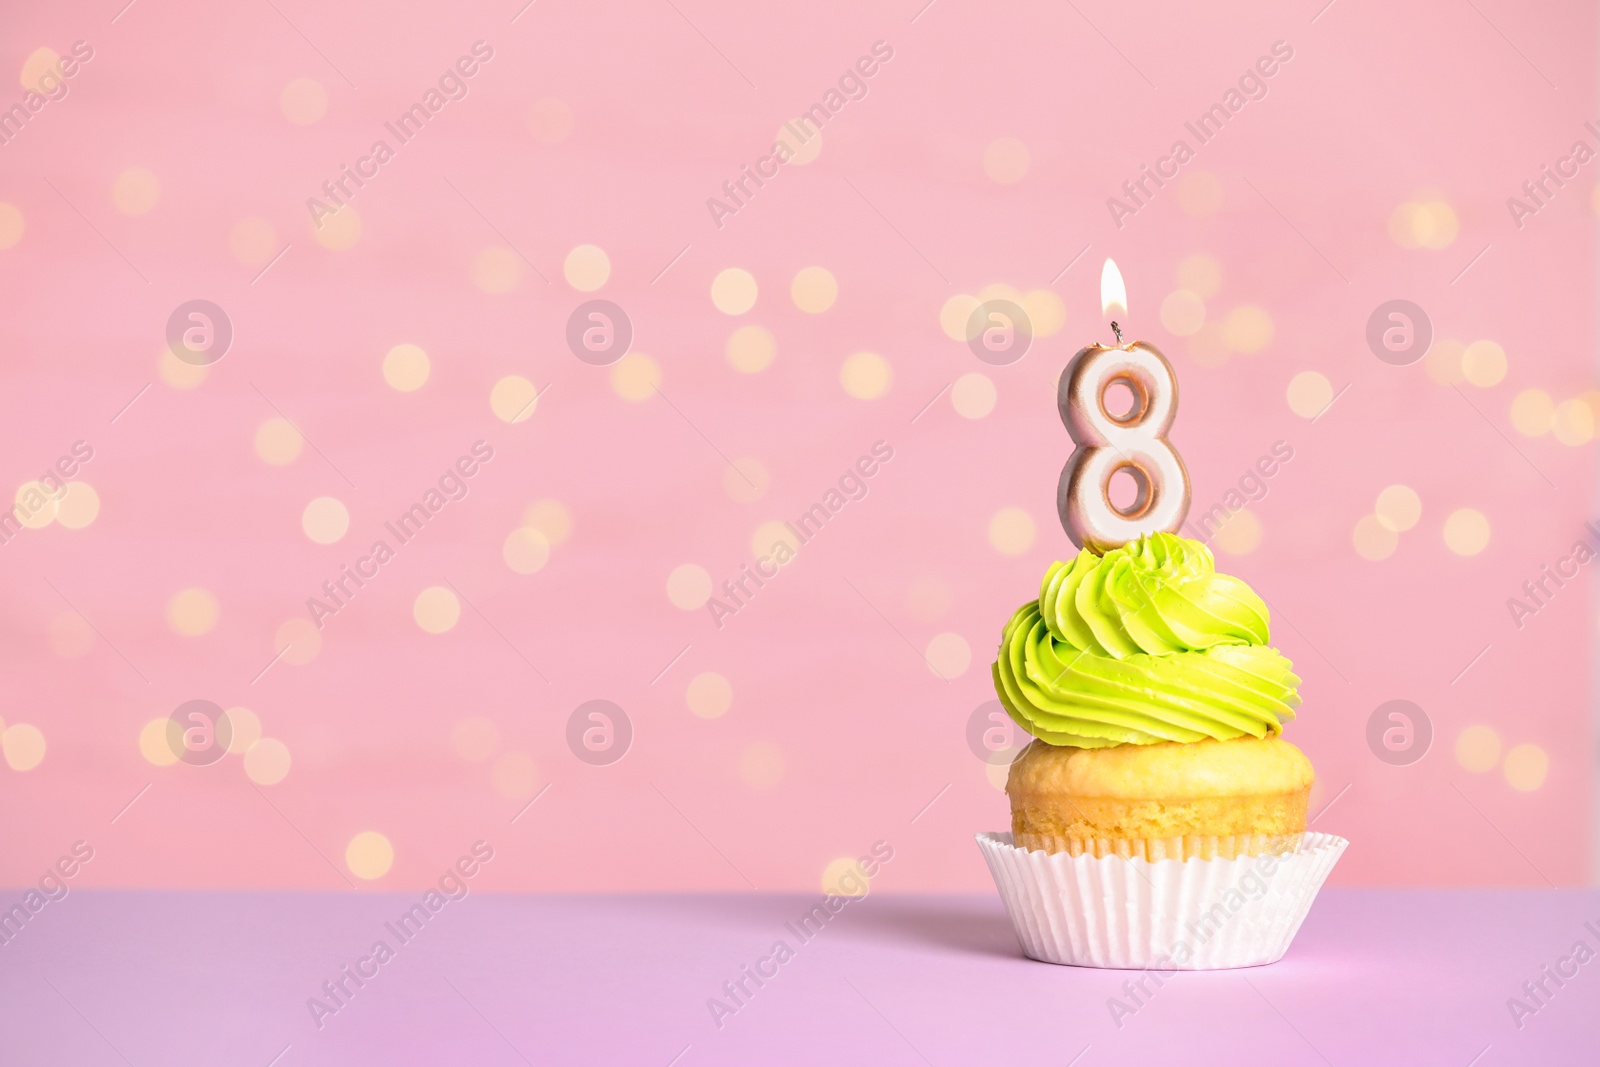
1377, 105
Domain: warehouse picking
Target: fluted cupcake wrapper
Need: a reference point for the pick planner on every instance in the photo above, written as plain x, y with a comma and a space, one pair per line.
1168, 915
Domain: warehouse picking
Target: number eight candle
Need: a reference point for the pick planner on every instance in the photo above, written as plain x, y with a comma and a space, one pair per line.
1134, 442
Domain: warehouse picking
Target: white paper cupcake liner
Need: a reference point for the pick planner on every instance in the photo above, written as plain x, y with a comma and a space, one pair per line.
1169, 915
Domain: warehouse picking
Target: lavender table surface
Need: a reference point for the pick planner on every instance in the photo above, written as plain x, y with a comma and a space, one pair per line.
1375, 977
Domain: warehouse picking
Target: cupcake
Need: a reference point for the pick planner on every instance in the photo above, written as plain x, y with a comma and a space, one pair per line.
1158, 818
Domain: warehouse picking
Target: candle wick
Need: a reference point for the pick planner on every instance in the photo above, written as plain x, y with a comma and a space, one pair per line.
1116, 330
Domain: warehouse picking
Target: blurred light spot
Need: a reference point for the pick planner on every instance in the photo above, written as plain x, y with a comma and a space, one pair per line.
746, 480
1309, 394
1011, 531
246, 730
1483, 363
24, 746
1478, 749
1239, 534
1443, 362
1532, 411
513, 399
278, 442
1573, 423
475, 738
153, 745
709, 695
814, 289
761, 765
999, 291
325, 520
36, 505
1201, 275
436, 609
298, 639
549, 120
1466, 532
1373, 540
587, 268
1046, 312
1525, 766
956, 314
369, 855
1399, 507
1200, 194
267, 761
769, 535
845, 877
551, 518
526, 550
688, 586
78, 506
514, 777
1207, 347
751, 349
252, 242
635, 377
136, 191
496, 270
866, 375
928, 599
733, 291
1247, 329
1423, 224
803, 139
71, 637
192, 612
11, 225
40, 61
973, 396
997, 773
406, 368
178, 373
338, 231
1183, 313
948, 655
1006, 160
303, 101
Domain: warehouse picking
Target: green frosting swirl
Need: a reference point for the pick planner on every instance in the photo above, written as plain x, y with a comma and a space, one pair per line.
1147, 643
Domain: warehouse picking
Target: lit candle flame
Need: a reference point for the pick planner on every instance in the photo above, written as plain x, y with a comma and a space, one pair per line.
1113, 294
